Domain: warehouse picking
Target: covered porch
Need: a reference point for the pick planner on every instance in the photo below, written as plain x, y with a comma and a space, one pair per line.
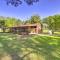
27, 29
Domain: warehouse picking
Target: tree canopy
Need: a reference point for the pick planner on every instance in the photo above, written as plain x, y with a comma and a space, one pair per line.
19, 2
34, 19
53, 22
6, 22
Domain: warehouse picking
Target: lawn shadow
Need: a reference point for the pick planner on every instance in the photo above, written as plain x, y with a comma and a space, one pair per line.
45, 46
12, 47
23, 49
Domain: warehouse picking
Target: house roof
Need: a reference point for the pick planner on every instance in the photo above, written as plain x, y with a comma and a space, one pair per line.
27, 25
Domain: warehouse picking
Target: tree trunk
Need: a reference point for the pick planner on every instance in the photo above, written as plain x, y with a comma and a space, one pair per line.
3, 29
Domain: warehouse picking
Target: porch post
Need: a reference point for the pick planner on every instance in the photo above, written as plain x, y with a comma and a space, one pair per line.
37, 29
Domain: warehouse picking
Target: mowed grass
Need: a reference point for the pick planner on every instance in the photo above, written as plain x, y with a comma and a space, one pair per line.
35, 47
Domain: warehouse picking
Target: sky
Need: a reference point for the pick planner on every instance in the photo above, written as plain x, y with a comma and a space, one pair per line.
43, 8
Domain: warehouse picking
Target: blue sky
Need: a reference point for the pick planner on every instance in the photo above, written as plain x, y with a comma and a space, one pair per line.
43, 8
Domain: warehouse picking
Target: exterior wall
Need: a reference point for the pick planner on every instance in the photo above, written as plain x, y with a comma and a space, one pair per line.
27, 29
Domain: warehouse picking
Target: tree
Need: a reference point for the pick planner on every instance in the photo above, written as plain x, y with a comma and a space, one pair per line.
57, 22
18, 22
19, 2
2, 23
27, 22
35, 19
6, 22
10, 22
50, 22
53, 22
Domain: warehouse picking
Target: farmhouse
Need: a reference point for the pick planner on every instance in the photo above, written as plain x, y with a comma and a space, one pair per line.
27, 29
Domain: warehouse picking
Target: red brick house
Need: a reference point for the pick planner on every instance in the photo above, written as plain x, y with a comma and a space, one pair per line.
27, 29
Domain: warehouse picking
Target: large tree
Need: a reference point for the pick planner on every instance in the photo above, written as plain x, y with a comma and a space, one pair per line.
9, 22
33, 20
53, 22
57, 22
2, 23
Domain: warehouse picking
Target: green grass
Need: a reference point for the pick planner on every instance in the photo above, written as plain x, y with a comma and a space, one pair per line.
47, 31
29, 47
57, 32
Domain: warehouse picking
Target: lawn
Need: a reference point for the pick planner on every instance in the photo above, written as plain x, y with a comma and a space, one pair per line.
55, 33
36, 47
